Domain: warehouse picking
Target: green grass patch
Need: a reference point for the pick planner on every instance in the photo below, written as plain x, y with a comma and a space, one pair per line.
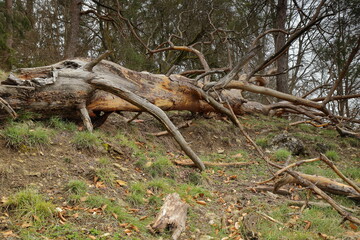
29, 204
86, 140
262, 142
282, 155
60, 124
18, 135
332, 155
161, 167
77, 187
323, 220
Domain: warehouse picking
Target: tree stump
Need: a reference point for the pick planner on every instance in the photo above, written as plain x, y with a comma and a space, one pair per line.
172, 216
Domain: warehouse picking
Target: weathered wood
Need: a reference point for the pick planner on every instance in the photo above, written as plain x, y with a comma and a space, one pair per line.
142, 103
172, 216
323, 183
213, 164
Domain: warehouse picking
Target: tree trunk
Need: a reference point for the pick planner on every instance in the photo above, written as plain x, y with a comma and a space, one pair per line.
74, 28
9, 34
282, 84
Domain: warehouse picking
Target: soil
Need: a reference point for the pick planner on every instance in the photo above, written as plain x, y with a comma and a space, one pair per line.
233, 192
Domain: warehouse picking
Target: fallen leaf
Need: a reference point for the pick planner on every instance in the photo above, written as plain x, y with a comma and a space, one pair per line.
233, 177
325, 237
308, 225
103, 207
121, 183
143, 217
220, 151
100, 185
201, 202
114, 215
92, 237
353, 226
26, 225
128, 232
75, 215
239, 155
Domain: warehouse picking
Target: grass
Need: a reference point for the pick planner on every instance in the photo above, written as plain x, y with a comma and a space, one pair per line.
323, 220
86, 140
77, 187
104, 172
282, 155
29, 204
60, 124
162, 166
18, 135
262, 142
332, 155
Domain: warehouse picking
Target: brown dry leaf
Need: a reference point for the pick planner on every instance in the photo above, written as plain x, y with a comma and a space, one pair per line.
75, 215
36, 218
128, 232
114, 215
8, 234
233, 177
92, 237
220, 151
353, 226
325, 237
201, 202
103, 207
134, 210
83, 199
239, 155
308, 225
121, 183
26, 225
4, 200
100, 185
123, 224
61, 217
143, 217
136, 229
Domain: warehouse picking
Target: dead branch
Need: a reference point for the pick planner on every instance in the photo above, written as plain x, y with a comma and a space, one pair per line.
271, 189
89, 66
346, 133
314, 89
314, 188
342, 73
213, 164
337, 171
162, 133
5, 105
296, 164
317, 204
142, 103
172, 216
337, 97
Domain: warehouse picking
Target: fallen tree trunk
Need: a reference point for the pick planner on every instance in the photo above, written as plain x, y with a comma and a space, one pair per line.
60, 89
323, 183
172, 216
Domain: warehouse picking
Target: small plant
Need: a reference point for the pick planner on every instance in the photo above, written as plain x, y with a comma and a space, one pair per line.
19, 135
29, 204
76, 187
262, 142
332, 155
161, 167
60, 124
106, 175
137, 193
282, 154
86, 140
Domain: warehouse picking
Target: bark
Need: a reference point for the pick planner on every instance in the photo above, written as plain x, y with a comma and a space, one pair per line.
282, 84
9, 34
323, 183
74, 28
172, 216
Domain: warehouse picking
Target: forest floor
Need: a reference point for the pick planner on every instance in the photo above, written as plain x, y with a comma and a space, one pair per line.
57, 182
